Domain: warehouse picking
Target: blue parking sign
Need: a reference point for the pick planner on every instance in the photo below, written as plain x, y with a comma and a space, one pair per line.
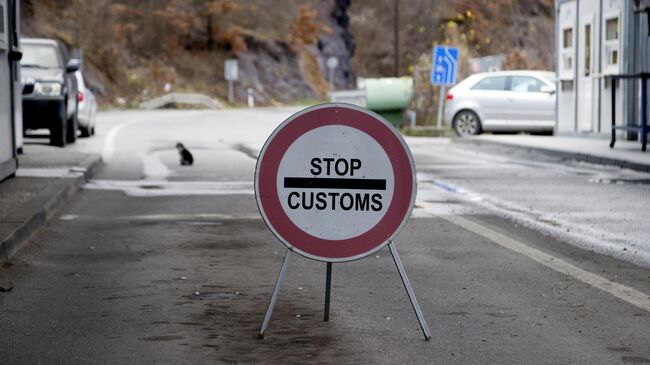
444, 65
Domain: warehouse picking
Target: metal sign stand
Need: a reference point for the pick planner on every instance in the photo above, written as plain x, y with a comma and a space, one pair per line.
276, 290
328, 286
441, 105
328, 291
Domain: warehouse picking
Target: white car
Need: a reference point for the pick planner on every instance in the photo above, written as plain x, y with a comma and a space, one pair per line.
87, 107
512, 101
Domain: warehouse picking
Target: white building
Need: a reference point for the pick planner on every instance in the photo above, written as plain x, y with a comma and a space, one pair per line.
10, 88
596, 39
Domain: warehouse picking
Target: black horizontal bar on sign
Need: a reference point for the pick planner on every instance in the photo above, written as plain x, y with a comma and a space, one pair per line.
334, 183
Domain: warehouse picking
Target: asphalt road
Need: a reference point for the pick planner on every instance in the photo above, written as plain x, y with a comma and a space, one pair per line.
158, 263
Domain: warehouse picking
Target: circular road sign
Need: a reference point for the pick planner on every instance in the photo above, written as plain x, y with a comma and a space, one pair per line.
332, 62
335, 182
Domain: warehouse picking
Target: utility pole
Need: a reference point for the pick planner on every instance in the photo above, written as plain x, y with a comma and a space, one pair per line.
396, 35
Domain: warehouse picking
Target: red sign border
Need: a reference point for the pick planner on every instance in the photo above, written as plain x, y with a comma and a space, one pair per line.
354, 248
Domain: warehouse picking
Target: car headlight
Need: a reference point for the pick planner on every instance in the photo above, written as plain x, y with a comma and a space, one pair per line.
47, 88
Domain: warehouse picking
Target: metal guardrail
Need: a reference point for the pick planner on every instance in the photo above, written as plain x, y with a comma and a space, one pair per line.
356, 97
181, 98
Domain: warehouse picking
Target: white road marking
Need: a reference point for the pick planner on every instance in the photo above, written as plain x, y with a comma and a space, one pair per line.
168, 217
149, 188
586, 237
153, 168
625, 293
48, 172
109, 141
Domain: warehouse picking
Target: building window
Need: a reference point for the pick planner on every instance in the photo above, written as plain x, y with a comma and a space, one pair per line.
612, 45
567, 38
566, 61
3, 40
611, 26
587, 49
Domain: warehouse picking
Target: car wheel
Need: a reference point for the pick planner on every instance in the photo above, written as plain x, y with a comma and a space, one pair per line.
85, 131
58, 134
73, 125
466, 123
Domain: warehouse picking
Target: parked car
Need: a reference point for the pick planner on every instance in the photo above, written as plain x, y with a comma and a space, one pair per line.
87, 106
510, 101
49, 89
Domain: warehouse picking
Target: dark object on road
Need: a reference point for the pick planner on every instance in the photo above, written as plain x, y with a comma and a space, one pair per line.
186, 156
7, 289
50, 89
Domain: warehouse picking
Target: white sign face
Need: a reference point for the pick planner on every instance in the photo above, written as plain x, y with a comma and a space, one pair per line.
231, 70
335, 182
332, 62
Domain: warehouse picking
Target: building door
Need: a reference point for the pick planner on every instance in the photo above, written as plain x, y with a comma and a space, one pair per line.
586, 91
7, 148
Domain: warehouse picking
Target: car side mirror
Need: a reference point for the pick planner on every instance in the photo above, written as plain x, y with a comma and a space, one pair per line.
73, 66
547, 89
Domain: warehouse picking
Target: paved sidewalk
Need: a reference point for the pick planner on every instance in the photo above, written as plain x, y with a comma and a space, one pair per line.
595, 150
46, 178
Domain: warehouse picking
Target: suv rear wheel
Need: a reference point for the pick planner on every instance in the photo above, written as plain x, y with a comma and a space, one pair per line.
72, 125
58, 133
466, 123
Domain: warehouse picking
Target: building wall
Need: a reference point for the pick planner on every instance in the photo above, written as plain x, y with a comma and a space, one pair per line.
565, 70
638, 54
587, 72
597, 29
7, 155
613, 9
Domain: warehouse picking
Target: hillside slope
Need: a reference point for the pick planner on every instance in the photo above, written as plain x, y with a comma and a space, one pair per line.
132, 49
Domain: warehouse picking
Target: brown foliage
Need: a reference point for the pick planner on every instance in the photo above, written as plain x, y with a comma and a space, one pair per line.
232, 38
305, 29
221, 7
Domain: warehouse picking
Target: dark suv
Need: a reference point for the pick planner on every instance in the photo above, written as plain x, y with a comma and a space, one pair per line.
49, 89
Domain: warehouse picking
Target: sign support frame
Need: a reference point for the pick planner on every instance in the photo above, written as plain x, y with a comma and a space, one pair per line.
397, 168
276, 290
328, 283
328, 292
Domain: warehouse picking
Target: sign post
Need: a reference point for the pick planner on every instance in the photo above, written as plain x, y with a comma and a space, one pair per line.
231, 73
444, 67
336, 183
332, 63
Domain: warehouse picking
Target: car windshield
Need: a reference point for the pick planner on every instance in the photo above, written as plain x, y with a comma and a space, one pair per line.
40, 55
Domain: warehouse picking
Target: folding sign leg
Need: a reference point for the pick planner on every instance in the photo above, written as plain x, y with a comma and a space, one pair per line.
409, 291
276, 290
328, 291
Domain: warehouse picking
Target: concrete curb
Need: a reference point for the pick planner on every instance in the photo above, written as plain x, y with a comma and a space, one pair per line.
562, 154
57, 195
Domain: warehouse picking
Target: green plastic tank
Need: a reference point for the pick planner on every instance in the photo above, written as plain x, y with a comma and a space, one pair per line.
389, 97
